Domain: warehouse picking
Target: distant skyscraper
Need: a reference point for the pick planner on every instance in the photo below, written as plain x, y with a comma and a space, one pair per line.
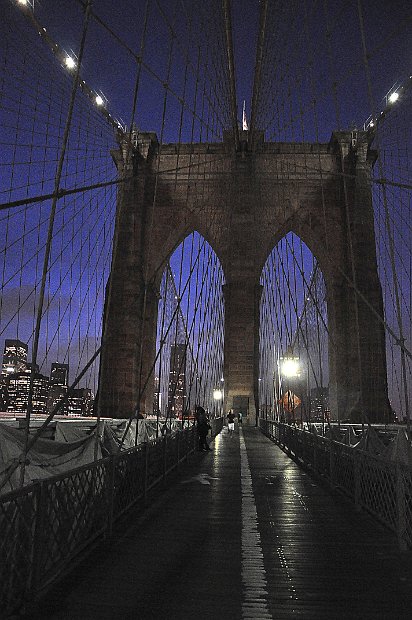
177, 380
4, 395
59, 377
14, 357
18, 386
80, 402
319, 403
157, 398
59, 374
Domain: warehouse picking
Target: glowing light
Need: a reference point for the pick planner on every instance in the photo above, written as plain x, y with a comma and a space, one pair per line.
69, 62
217, 394
290, 366
26, 3
99, 100
244, 119
393, 97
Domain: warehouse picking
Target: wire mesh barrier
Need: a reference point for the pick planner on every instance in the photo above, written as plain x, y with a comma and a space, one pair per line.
47, 524
375, 484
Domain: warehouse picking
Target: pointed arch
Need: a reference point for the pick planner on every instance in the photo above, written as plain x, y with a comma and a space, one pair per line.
167, 246
189, 339
293, 324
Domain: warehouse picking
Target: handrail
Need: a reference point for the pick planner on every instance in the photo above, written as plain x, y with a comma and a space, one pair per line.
380, 486
46, 524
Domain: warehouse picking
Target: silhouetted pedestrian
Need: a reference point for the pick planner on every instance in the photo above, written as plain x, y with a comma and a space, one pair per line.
231, 422
203, 427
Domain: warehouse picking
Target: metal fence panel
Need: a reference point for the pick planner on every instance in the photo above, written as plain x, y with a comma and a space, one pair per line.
381, 487
47, 524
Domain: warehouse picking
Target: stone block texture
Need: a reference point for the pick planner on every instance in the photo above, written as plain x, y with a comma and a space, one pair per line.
243, 203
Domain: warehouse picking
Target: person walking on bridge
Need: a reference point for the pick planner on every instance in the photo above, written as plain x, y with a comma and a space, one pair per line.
203, 427
231, 422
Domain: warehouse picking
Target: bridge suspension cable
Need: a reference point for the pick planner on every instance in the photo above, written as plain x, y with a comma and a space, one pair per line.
305, 88
169, 67
180, 89
293, 326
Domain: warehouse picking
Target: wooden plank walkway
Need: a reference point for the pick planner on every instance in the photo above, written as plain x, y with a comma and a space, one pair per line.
242, 532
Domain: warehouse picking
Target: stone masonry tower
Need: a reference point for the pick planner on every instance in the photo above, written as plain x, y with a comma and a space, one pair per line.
243, 203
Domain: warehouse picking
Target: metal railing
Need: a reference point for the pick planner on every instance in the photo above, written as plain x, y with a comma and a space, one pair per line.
380, 486
46, 525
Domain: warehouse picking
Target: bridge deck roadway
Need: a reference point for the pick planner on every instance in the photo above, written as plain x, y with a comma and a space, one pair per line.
241, 532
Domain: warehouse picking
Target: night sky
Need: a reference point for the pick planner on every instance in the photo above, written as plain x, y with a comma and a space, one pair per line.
108, 67
303, 70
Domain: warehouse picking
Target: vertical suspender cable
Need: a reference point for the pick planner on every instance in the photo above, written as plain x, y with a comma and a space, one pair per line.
401, 339
50, 233
258, 70
231, 68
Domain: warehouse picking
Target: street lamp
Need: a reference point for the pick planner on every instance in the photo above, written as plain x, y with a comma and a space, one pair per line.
290, 366
217, 396
70, 62
290, 369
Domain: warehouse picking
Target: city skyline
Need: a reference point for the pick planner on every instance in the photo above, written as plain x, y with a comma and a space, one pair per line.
47, 391
302, 108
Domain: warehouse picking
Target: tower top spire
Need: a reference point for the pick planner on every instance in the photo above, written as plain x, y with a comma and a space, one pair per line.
245, 126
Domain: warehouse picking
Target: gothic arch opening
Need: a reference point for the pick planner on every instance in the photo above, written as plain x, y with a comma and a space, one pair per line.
190, 327
293, 340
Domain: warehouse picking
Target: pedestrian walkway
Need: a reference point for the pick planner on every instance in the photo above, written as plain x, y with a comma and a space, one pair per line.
241, 533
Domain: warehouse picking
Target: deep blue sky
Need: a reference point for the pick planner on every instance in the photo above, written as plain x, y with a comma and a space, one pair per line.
109, 68
299, 68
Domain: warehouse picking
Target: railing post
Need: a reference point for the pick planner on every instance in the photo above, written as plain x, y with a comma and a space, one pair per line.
146, 470
164, 455
195, 438
186, 441
38, 542
315, 453
178, 448
400, 508
358, 485
331, 463
291, 441
110, 495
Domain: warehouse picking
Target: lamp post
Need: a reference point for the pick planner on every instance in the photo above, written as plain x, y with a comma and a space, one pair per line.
217, 396
290, 369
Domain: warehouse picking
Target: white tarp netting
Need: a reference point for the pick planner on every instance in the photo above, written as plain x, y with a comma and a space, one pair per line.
46, 458
370, 442
400, 449
76, 443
